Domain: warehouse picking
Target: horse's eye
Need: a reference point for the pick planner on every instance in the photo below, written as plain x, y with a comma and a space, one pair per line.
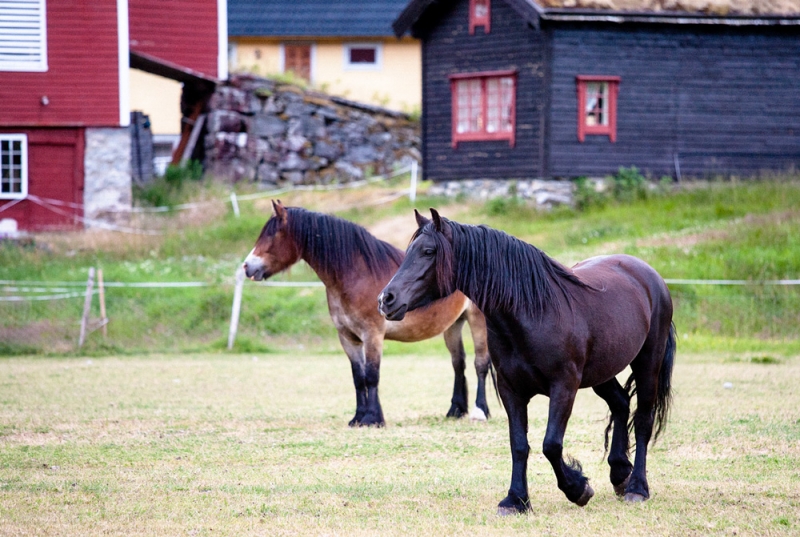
429, 251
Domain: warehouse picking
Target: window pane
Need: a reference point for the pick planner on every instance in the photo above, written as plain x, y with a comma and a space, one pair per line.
481, 9
364, 55
11, 166
492, 105
507, 92
475, 119
596, 103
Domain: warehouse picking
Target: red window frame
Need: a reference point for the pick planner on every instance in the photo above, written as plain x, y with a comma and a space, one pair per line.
609, 128
481, 107
483, 19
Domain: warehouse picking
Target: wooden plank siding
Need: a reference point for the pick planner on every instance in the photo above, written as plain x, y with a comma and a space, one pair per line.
82, 88
55, 171
182, 32
721, 100
449, 49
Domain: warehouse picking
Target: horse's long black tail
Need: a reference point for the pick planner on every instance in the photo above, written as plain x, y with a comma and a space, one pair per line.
664, 396
494, 382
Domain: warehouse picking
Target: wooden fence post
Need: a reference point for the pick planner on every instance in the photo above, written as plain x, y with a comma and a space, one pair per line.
235, 204
237, 304
87, 306
102, 294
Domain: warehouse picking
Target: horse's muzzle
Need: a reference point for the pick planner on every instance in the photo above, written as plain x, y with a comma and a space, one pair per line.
389, 309
255, 271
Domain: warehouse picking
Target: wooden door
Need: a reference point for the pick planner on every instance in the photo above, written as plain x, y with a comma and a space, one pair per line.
297, 58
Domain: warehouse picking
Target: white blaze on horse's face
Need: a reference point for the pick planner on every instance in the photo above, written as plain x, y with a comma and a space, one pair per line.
253, 266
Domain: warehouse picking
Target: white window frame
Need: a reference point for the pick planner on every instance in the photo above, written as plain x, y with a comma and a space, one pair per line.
24, 193
377, 66
9, 28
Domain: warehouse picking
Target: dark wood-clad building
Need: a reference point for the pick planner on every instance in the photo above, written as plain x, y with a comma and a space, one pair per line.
512, 89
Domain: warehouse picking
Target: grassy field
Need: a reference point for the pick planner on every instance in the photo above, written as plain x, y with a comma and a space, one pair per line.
155, 431
257, 444
747, 230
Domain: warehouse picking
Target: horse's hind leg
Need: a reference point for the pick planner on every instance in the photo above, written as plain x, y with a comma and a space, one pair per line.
455, 344
619, 404
483, 362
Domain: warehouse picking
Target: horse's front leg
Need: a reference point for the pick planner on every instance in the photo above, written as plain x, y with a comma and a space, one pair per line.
355, 352
517, 500
373, 349
569, 474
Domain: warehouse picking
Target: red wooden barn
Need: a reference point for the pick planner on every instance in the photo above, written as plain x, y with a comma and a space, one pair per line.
65, 142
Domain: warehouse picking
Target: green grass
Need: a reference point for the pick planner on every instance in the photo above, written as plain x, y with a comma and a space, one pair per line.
720, 230
254, 444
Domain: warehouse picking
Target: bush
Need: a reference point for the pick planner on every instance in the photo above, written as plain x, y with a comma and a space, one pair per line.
165, 191
626, 186
629, 184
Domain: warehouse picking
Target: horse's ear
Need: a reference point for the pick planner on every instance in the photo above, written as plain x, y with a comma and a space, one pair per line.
280, 210
437, 220
421, 220
440, 224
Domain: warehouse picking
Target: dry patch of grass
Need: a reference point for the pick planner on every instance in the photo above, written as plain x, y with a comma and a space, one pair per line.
258, 445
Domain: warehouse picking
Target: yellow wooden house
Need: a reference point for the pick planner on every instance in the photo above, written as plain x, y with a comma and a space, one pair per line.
343, 47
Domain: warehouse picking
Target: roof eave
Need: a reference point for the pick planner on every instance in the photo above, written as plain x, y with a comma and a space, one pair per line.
667, 17
157, 66
409, 16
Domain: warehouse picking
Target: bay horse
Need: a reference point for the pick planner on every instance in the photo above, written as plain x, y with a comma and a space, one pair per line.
553, 330
354, 266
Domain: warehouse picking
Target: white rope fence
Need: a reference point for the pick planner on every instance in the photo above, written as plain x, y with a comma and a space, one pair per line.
60, 290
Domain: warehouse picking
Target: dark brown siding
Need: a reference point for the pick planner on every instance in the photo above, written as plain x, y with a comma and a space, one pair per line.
714, 100
448, 49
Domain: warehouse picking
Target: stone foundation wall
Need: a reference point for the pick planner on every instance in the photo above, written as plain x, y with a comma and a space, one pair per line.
278, 134
107, 192
544, 194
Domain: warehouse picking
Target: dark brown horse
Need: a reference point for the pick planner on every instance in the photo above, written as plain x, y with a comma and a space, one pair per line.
553, 330
354, 266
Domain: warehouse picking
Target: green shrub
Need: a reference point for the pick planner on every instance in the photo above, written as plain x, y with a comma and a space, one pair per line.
629, 184
166, 191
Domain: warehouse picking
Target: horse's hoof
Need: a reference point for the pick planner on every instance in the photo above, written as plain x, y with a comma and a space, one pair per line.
508, 511
619, 490
632, 497
477, 415
588, 492
455, 412
367, 422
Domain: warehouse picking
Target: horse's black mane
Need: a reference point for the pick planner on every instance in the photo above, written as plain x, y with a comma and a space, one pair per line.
514, 276
333, 244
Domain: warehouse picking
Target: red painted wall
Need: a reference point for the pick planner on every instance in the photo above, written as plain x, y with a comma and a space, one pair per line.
182, 32
82, 80
55, 171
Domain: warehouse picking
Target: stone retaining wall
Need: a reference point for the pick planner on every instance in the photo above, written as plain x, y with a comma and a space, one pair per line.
544, 194
279, 134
